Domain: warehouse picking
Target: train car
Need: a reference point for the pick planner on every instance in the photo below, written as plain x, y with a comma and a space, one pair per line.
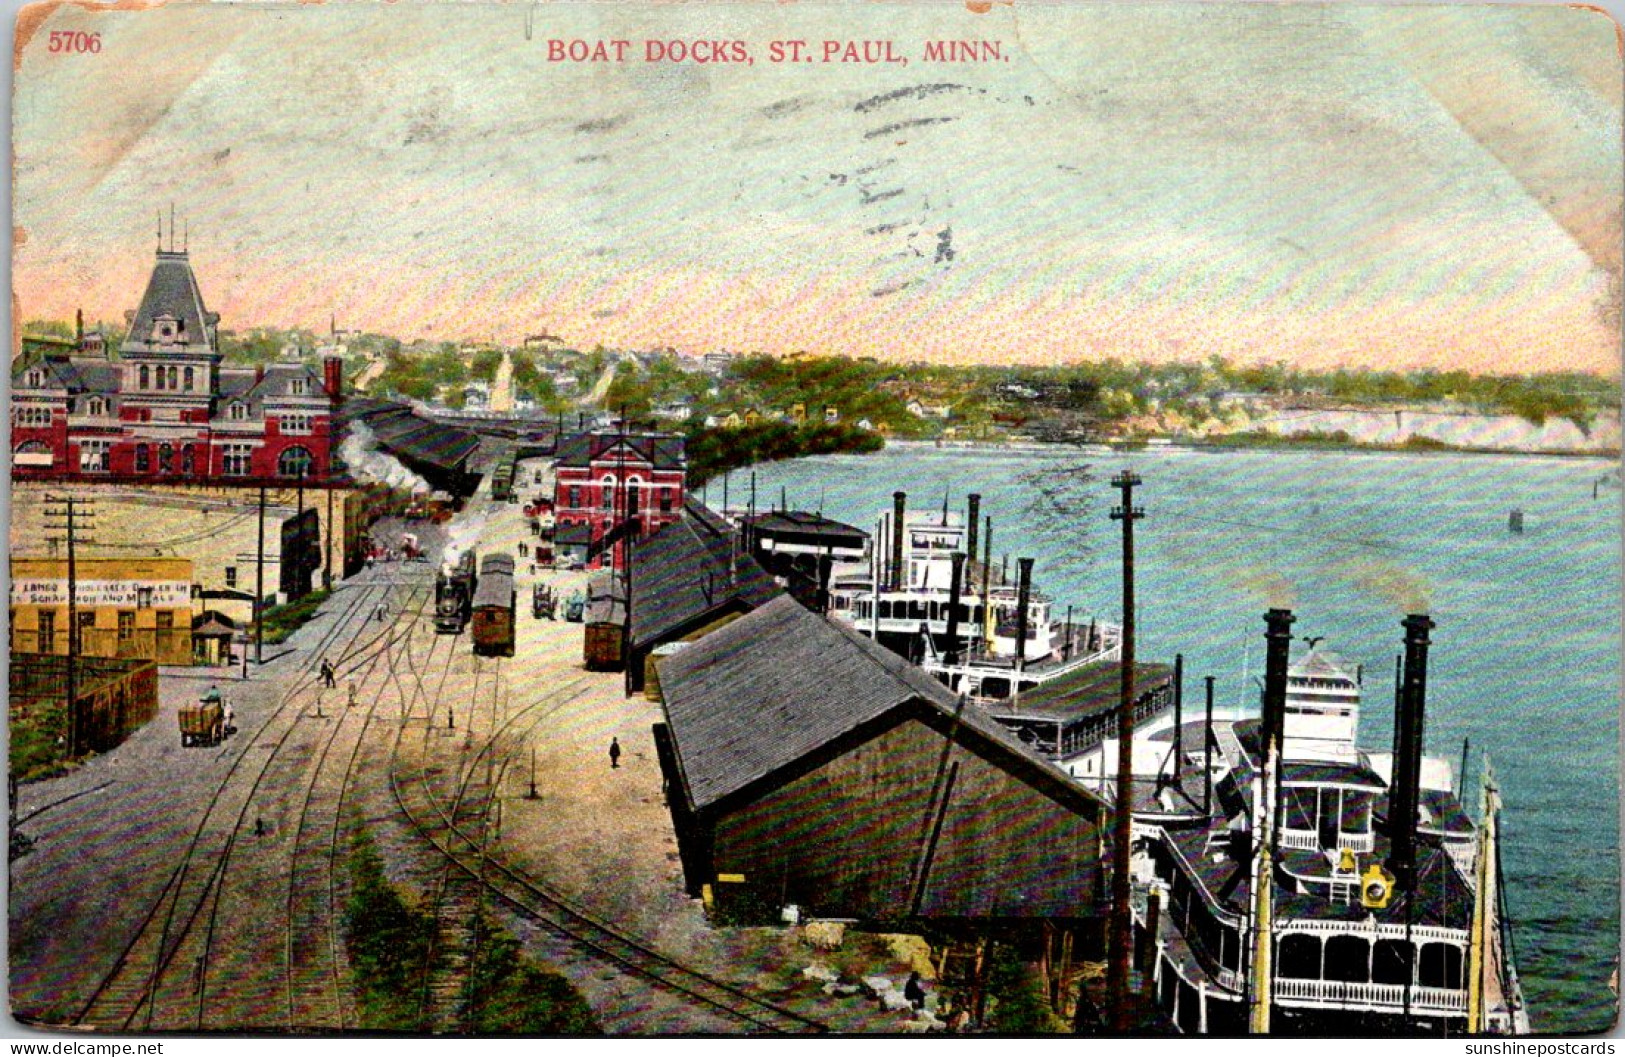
494, 598
605, 618
454, 595
502, 478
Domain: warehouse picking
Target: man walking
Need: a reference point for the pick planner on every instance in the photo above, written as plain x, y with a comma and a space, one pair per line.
327, 673
614, 753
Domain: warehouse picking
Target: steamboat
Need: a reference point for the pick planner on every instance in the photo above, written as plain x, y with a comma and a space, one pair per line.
1289, 882
924, 594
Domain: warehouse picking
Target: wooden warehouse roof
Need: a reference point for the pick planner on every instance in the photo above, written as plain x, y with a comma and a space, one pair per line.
691, 567
757, 697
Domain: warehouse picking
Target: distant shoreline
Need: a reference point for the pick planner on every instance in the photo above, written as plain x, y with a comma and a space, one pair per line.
1283, 444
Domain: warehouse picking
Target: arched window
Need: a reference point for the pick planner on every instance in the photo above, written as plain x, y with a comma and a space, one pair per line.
33, 447
606, 492
1348, 958
174, 378
294, 462
143, 458
634, 486
238, 412
166, 458
186, 457
1299, 956
146, 379
191, 379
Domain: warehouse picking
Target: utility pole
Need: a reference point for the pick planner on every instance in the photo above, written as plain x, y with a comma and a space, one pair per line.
1122, 925
327, 560
259, 585
72, 515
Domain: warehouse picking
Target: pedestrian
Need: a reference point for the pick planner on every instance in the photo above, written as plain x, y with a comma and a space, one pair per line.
231, 717
614, 753
352, 694
522, 548
259, 826
380, 611
327, 673
914, 991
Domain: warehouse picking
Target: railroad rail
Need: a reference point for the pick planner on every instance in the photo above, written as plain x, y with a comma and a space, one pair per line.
438, 823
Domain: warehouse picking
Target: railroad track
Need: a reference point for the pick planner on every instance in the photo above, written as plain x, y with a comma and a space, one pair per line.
315, 961
442, 825
129, 994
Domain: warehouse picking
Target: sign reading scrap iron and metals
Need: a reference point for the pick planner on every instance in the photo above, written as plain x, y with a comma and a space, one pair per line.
130, 594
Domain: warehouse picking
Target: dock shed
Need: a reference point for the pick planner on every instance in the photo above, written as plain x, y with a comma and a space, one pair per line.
806, 765
687, 579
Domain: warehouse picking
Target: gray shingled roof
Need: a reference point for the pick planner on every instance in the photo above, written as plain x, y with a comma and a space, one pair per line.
777, 684
689, 568
172, 291
662, 451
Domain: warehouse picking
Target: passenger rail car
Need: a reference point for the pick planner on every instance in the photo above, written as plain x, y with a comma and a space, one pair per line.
494, 598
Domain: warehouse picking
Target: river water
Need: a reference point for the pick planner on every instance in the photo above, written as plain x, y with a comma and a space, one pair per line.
1525, 659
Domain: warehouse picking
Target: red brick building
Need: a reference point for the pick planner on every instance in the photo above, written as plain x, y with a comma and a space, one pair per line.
605, 479
168, 409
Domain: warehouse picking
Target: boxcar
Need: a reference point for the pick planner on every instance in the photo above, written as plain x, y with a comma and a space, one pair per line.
493, 624
606, 623
454, 595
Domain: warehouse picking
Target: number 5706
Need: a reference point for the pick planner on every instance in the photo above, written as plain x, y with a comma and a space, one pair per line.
65, 41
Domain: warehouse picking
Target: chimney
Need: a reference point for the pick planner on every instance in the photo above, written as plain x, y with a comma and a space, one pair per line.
1277, 644
899, 502
826, 563
1024, 586
333, 376
973, 511
259, 373
79, 325
956, 587
1405, 780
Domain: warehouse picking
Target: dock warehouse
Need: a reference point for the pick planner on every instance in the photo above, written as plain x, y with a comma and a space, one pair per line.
687, 579
806, 765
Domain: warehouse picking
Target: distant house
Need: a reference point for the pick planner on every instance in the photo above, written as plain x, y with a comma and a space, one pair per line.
920, 409
752, 416
832, 414
674, 412
717, 362
807, 765
798, 413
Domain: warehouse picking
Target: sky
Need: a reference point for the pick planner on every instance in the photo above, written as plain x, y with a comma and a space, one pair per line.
1319, 185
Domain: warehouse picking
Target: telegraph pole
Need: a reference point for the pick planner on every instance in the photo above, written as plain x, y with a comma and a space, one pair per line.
327, 559
1122, 924
259, 585
72, 515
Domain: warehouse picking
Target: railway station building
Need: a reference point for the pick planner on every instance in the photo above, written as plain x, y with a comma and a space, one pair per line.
618, 484
169, 409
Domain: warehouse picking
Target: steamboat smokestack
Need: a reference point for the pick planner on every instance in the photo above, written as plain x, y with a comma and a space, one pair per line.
1024, 586
956, 585
1277, 643
1405, 782
973, 511
899, 503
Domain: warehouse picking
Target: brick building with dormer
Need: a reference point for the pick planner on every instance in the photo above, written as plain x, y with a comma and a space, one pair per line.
168, 409
608, 479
